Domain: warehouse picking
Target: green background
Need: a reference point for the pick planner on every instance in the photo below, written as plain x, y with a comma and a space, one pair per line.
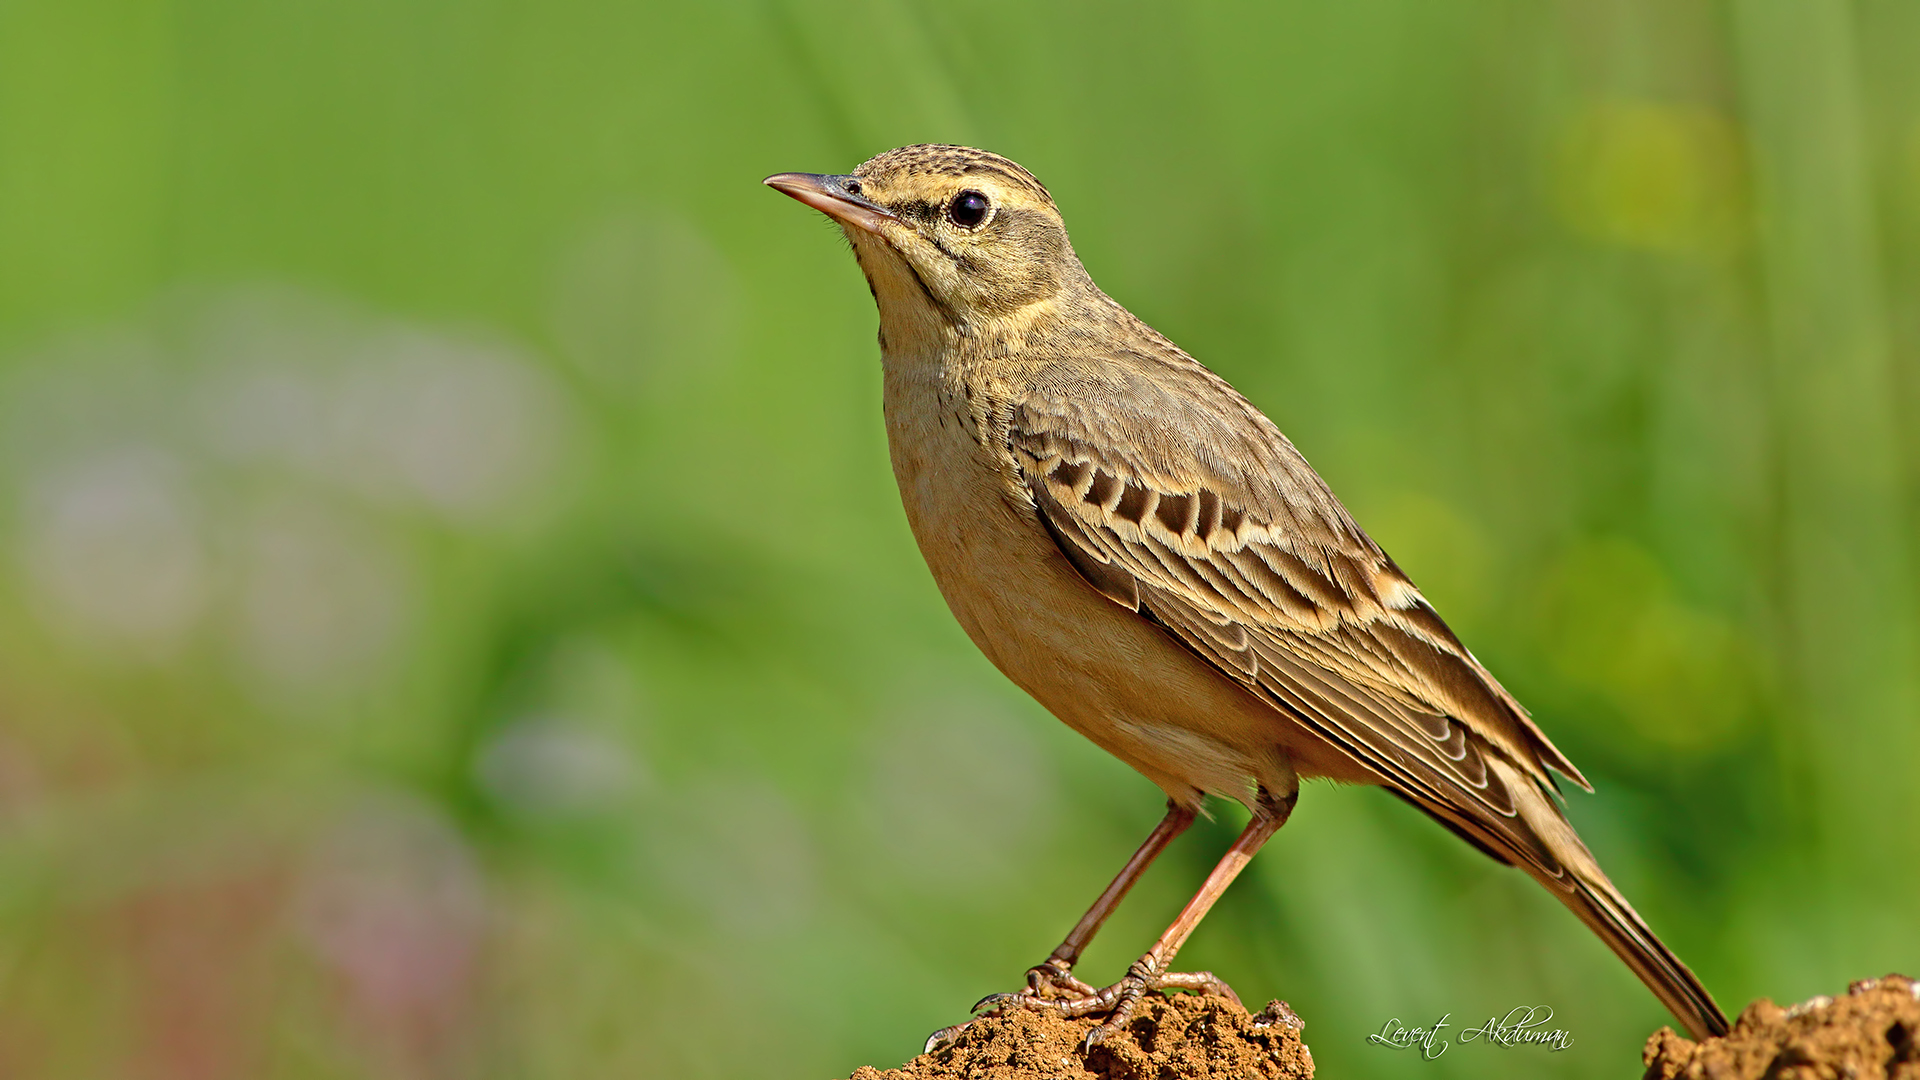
456, 618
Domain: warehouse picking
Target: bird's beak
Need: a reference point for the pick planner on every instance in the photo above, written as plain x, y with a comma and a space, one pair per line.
838, 197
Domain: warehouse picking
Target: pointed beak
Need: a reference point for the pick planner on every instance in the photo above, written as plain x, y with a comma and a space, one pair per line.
838, 197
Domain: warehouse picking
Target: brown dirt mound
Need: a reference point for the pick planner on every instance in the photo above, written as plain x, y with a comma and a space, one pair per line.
1188, 1037
1873, 1032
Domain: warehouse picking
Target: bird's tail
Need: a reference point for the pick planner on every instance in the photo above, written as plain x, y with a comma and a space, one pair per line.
1583, 887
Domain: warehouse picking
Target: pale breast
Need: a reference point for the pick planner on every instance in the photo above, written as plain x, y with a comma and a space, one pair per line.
1107, 672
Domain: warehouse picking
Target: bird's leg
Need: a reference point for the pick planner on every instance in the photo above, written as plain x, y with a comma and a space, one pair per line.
1052, 978
1150, 971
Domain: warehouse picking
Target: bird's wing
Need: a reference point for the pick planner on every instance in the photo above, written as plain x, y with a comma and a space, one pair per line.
1191, 508
1187, 505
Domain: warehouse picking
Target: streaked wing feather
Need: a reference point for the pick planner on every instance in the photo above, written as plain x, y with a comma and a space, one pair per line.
1247, 559
1299, 606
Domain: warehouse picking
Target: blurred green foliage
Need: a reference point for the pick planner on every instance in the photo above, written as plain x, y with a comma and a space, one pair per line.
456, 619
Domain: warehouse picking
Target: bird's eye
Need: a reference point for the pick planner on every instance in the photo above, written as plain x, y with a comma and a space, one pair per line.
968, 209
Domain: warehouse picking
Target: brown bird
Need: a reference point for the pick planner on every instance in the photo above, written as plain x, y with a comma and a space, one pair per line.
1134, 544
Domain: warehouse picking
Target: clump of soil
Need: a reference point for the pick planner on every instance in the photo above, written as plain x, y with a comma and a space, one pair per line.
1187, 1037
1873, 1032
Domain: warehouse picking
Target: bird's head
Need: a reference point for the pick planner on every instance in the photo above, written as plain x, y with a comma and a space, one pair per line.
968, 234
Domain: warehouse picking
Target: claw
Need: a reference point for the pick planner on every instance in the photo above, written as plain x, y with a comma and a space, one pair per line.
1076, 998
1051, 978
943, 1038
996, 1002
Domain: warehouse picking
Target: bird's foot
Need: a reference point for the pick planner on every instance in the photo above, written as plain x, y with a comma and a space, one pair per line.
1049, 981
1053, 978
1124, 996
1051, 987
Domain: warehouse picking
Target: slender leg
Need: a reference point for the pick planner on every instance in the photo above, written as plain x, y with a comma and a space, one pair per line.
1056, 971
1150, 971
1054, 975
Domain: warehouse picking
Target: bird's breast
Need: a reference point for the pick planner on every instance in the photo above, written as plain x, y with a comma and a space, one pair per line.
1103, 669
961, 499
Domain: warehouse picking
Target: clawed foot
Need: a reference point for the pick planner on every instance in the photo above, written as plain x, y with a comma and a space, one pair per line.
1051, 979
1052, 987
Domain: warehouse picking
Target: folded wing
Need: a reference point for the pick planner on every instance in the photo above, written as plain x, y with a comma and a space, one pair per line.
1247, 559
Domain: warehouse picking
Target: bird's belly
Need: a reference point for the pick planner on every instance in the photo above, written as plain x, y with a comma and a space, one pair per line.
1104, 670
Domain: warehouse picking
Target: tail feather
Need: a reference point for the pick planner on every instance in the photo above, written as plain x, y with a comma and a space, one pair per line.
1542, 843
1608, 914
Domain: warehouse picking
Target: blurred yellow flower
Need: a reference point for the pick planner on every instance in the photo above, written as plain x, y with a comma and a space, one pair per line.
1660, 177
1681, 677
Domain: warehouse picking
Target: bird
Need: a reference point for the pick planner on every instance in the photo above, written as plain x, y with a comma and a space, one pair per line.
1139, 548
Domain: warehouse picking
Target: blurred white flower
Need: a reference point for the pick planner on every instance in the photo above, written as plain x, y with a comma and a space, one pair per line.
459, 425
255, 457
553, 766
321, 603
111, 547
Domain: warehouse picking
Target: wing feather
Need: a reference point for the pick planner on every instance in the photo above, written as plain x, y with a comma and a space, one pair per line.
1298, 605
1190, 508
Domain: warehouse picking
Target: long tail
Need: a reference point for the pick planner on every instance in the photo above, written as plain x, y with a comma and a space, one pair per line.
1558, 860
1608, 914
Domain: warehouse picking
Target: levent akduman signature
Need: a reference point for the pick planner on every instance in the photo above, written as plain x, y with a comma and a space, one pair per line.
1524, 1025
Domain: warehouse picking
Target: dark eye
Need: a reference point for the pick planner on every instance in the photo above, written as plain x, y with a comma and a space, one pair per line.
968, 209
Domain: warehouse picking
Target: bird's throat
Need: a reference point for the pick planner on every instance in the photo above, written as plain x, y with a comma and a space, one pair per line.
913, 322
